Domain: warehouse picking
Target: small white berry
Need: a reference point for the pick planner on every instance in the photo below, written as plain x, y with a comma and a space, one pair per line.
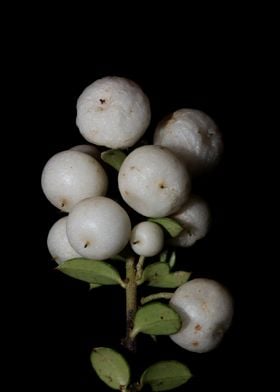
113, 112
147, 239
71, 176
194, 216
193, 136
98, 228
87, 149
153, 181
206, 310
58, 243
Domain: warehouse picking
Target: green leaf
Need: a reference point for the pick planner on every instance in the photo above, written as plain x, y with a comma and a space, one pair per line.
114, 158
172, 280
156, 318
172, 259
155, 271
163, 256
166, 375
171, 225
111, 367
91, 271
94, 285
159, 275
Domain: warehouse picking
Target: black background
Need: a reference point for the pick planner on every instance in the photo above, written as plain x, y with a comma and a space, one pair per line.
63, 320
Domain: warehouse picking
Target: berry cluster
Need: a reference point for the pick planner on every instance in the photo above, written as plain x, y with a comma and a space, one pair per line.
154, 181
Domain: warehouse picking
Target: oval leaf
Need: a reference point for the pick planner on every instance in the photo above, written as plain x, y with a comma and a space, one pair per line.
114, 158
159, 275
156, 319
111, 367
155, 271
91, 271
166, 375
171, 281
170, 225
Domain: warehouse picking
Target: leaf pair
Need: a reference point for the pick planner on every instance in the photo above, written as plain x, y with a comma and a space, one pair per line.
114, 371
159, 275
95, 272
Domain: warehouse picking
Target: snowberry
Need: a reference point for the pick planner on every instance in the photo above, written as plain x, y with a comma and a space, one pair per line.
71, 176
98, 228
153, 181
113, 112
206, 310
58, 243
193, 136
87, 149
147, 239
194, 216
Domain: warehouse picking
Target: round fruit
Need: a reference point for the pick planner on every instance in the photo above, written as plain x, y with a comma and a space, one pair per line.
194, 217
113, 112
87, 149
58, 243
153, 181
98, 228
206, 310
71, 176
193, 136
147, 239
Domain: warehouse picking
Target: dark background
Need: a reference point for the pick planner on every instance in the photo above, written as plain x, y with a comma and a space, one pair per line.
64, 321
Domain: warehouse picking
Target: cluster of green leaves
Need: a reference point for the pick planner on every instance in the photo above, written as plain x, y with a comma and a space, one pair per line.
159, 275
97, 273
155, 318
113, 370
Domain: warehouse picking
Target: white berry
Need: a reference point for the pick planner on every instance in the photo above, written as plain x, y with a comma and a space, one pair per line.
153, 181
206, 310
147, 239
98, 228
194, 217
87, 149
58, 243
71, 176
113, 112
193, 136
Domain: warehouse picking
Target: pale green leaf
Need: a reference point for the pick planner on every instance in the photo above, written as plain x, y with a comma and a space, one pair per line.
171, 281
155, 271
111, 367
170, 225
163, 256
172, 259
166, 375
94, 286
91, 271
159, 275
114, 158
156, 318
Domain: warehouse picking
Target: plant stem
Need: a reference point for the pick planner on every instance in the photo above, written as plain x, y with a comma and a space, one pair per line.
139, 268
136, 387
152, 297
131, 303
